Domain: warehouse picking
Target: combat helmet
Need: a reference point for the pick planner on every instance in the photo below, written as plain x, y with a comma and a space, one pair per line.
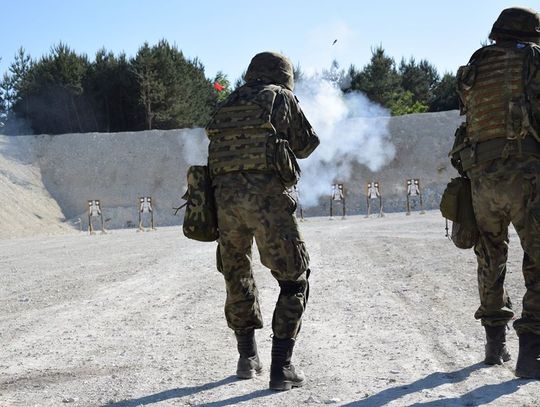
517, 23
271, 68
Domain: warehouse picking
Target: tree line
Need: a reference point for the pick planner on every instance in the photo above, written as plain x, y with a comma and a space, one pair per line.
411, 87
65, 92
159, 88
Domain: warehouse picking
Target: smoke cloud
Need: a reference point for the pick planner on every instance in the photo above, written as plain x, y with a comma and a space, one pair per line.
194, 147
352, 131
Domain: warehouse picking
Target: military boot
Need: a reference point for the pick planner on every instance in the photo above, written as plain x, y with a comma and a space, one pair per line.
249, 364
283, 375
496, 352
528, 363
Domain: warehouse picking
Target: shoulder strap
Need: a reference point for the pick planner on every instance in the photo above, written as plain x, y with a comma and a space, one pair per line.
532, 63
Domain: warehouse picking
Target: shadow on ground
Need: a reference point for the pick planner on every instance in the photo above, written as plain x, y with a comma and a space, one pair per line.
484, 394
188, 391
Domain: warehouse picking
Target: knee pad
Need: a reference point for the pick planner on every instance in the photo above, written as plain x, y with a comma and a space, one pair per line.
292, 288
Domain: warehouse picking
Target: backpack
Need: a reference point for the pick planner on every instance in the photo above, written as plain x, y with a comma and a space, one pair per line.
456, 205
200, 218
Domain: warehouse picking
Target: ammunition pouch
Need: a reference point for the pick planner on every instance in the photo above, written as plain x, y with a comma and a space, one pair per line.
474, 154
244, 150
200, 219
254, 152
463, 236
465, 77
285, 163
460, 142
456, 205
243, 138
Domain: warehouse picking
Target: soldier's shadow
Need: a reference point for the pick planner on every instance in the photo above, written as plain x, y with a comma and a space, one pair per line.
188, 391
483, 394
480, 396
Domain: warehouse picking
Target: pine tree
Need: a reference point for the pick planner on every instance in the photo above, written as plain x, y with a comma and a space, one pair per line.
3, 102
19, 71
14, 84
151, 88
339, 77
419, 79
173, 90
223, 81
379, 79
111, 86
298, 74
49, 94
445, 95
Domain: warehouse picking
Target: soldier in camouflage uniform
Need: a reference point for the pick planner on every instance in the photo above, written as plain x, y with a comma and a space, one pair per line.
500, 94
255, 137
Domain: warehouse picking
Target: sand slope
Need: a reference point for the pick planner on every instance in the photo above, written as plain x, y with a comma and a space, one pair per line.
26, 207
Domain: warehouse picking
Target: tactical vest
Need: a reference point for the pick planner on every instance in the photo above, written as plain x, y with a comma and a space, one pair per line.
492, 89
241, 132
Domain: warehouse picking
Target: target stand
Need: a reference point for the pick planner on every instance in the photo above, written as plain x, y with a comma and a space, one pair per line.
94, 211
373, 192
146, 210
414, 191
338, 195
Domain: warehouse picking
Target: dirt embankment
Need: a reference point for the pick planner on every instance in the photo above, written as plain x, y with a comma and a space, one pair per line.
26, 206
46, 181
52, 177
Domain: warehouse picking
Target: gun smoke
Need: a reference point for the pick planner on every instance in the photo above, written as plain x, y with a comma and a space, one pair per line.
353, 131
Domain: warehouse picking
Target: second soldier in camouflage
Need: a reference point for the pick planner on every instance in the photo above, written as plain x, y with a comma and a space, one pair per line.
500, 94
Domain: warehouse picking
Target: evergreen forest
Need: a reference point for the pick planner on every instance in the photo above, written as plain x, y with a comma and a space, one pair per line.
159, 88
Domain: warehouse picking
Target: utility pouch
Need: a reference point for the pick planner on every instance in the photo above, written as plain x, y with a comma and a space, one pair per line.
519, 119
200, 219
456, 205
285, 162
460, 143
516, 116
463, 236
466, 77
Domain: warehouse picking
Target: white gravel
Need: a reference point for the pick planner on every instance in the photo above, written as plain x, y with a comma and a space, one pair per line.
131, 319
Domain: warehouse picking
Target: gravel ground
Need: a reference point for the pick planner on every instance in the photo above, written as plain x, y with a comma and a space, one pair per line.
130, 319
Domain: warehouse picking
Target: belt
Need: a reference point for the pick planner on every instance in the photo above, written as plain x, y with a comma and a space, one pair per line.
497, 148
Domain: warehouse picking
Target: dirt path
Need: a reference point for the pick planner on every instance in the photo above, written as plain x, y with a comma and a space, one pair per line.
129, 319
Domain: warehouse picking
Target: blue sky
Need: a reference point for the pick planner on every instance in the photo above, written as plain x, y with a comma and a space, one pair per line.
225, 35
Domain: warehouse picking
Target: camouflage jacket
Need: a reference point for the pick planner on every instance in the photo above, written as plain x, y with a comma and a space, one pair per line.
533, 87
499, 91
291, 124
494, 80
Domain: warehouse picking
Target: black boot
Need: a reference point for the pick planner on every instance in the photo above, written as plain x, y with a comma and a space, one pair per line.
249, 364
496, 352
528, 363
283, 375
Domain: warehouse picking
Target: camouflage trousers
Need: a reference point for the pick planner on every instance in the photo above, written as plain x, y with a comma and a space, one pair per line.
269, 219
505, 192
